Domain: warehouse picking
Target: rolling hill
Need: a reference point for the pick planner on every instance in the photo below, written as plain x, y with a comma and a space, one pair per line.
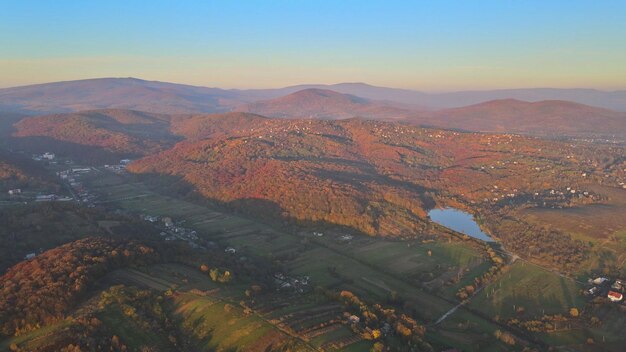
116, 132
18, 172
196, 127
324, 104
546, 118
88, 295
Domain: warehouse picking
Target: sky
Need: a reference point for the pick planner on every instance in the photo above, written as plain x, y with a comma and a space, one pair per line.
425, 45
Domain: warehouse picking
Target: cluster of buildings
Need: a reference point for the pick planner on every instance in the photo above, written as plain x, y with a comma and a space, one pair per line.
171, 231
614, 290
345, 238
71, 177
14, 192
119, 168
293, 284
45, 156
553, 198
46, 197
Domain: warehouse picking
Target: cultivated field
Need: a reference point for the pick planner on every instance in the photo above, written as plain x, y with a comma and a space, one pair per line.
363, 265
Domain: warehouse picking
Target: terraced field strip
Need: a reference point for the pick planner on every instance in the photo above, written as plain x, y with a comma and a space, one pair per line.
315, 332
198, 306
140, 279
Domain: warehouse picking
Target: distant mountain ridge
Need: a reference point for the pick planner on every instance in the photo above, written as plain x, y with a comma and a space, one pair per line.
324, 104
163, 97
543, 118
117, 93
161, 102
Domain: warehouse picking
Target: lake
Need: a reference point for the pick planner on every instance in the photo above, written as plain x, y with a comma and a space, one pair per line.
458, 221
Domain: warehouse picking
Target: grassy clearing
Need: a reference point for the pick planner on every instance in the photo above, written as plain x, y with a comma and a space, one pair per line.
596, 222
536, 290
335, 335
411, 258
358, 346
330, 268
223, 326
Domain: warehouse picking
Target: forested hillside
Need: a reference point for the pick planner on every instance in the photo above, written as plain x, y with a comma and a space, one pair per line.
381, 178
44, 289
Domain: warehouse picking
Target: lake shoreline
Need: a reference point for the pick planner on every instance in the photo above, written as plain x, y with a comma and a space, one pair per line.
459, 221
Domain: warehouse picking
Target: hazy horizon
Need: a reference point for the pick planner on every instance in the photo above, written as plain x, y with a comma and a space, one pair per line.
434, 47
428, 91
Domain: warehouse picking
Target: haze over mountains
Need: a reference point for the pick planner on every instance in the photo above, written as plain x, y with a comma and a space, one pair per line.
544, 118
544, 111
132, 93
120, 93
324, 104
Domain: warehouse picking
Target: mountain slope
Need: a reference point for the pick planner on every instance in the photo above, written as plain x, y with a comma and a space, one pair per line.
323, 104
545, 118
309, 170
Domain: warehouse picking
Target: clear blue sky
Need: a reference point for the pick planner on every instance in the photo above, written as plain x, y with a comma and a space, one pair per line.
426, 45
